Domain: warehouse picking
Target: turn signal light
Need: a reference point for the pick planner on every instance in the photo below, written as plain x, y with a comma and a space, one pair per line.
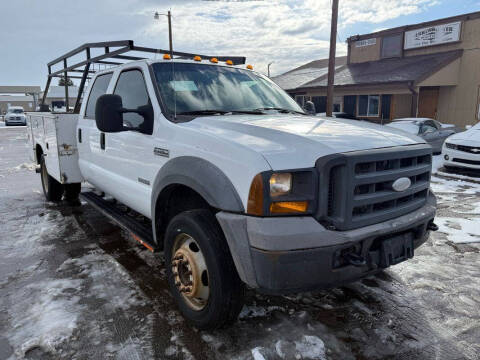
167, 57
214, 60
249, 67
197, 58
284, 207
255, 196
229, 62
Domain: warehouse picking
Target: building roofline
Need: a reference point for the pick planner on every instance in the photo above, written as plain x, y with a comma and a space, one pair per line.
455, 54
401, 29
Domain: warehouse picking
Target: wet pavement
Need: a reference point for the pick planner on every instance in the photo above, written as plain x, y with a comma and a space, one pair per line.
74, 286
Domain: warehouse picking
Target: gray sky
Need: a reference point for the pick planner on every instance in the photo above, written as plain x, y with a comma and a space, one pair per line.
288, 32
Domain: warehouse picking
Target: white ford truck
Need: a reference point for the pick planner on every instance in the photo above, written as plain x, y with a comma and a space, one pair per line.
239, 185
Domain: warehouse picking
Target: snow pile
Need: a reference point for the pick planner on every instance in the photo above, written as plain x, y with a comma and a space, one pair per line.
27, 166
46, 315
458, 230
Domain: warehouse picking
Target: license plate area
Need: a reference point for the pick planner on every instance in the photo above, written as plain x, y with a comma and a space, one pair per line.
396, 249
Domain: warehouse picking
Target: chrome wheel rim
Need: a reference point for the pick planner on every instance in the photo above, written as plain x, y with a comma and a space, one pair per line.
190, 272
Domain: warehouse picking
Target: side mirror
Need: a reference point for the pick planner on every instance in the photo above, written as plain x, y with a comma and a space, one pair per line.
309, 108
109, 113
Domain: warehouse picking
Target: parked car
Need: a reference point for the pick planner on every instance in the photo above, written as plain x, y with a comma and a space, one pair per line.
238, 184
462, 150
15, 116
432, 131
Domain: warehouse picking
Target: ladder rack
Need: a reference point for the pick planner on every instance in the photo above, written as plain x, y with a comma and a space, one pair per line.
113, 52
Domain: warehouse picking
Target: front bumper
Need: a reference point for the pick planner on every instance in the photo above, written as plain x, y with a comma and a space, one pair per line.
15, 122
294, 254
462, 159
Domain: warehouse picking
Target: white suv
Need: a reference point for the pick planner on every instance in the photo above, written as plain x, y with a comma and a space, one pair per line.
15, 116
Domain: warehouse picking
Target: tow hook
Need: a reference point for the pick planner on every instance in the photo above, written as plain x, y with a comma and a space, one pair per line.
354, 259
432, 226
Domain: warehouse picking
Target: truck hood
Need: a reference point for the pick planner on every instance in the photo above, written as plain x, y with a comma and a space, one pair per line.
296, 141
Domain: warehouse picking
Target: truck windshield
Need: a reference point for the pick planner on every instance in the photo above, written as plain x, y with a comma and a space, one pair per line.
189, 89
16, 111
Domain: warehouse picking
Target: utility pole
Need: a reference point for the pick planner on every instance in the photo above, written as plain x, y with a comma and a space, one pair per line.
268, 68
331, 58
169, 16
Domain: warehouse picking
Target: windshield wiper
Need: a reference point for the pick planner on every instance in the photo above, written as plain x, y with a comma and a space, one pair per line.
202, 112
281, 110
221, 112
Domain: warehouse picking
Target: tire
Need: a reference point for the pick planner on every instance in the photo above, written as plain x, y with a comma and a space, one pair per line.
226, 291
52, 189
72, 191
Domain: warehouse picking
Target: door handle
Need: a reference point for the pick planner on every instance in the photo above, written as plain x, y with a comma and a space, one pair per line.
102, 141
79, 135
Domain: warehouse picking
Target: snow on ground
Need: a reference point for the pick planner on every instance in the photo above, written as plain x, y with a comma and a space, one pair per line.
464, 226
458, 230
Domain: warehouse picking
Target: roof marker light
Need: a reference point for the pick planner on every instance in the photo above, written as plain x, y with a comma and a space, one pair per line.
214, 60
167, 57
249, 67
197, 58
229, 62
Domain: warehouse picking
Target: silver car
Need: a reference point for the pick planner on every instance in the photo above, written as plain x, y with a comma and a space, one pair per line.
432, 131
15, 116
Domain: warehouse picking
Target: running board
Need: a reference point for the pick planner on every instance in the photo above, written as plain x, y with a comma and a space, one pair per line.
140, 231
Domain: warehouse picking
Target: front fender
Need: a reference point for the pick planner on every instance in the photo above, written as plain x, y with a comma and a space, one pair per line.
201, 176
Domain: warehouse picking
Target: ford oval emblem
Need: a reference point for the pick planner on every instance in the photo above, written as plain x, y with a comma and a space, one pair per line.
401, 184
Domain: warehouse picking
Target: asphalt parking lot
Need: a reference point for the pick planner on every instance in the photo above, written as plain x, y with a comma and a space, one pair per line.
75, 286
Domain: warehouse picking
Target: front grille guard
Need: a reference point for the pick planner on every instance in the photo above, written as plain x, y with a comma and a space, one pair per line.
342, 207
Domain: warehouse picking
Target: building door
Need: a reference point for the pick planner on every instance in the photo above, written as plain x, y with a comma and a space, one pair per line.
428, 102
350, 104
386, 104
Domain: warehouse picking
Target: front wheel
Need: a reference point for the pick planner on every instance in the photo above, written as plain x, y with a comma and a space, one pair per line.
52, 189
200, 269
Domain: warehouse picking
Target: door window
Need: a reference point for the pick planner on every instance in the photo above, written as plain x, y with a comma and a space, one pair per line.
131, 87
99, 88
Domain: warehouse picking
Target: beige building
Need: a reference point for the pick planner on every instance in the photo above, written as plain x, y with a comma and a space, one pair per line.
430, 69
24, 96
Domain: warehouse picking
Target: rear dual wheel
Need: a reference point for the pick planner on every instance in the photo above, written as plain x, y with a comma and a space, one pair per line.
200, 269
53, 190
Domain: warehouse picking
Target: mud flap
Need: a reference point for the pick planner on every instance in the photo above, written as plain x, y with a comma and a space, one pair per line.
396, 250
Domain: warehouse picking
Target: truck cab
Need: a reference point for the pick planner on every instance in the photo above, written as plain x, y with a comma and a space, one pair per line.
242, 188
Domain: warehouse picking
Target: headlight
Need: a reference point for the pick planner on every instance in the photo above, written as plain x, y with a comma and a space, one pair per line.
280, 184
451, 146
283, 193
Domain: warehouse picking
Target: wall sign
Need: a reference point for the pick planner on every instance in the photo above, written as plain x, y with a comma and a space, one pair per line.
366, 42
432, 35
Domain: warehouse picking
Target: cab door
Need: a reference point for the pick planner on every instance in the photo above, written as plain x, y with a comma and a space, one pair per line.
88, 135
127, 161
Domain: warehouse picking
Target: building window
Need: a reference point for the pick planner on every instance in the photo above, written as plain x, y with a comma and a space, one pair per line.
320, 103
368, 105
392, 46
300, 99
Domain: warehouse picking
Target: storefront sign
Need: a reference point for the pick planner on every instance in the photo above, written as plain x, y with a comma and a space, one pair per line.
433, 35
366, 42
